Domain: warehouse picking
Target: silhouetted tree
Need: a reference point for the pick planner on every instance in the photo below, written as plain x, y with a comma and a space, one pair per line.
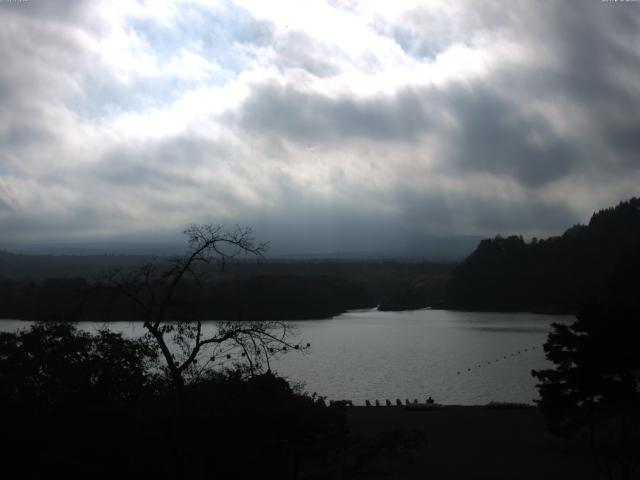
595, 385
157, 291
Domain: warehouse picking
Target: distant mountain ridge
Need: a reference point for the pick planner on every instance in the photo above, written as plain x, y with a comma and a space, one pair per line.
415, 248
557, 274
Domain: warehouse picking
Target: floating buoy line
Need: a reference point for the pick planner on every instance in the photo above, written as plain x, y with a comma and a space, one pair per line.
502, 358
219, 357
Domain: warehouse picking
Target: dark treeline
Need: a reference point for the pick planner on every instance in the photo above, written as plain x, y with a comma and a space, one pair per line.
38, 267
78, 405
558, 274
38, 288
266, 297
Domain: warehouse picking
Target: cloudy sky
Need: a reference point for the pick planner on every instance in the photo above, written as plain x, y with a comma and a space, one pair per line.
325, 125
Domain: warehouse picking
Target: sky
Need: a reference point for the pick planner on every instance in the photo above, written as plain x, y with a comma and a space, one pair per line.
326, 125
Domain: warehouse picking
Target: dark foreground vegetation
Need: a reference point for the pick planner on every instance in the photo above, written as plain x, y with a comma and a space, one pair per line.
476, 442
164, 406
77, 405
593, 390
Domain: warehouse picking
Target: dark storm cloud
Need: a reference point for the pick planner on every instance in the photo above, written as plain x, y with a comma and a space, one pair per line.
494, 136
595, 65
484, 211
545, 131
597, 68
602, 54
597, 45
50, 11
43, 58
309, 118
626, 138
24, 134
164, 164
65, 225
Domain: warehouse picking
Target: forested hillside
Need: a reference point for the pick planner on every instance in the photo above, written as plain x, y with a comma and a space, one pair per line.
48, 287
552, 275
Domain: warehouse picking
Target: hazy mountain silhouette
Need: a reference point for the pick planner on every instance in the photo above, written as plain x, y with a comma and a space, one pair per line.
417, 247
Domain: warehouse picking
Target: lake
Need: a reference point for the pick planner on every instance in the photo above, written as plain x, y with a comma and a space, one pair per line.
456, 357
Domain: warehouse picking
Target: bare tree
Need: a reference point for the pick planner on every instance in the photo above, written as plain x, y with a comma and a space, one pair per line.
176, 326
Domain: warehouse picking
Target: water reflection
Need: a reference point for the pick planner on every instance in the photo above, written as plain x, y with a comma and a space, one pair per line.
455, 357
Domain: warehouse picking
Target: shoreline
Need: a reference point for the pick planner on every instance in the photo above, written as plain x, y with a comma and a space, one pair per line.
356, 310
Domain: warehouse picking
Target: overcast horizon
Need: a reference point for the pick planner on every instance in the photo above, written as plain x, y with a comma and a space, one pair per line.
326, 125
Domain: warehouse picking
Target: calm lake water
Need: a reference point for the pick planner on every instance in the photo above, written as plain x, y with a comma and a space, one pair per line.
455, 357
